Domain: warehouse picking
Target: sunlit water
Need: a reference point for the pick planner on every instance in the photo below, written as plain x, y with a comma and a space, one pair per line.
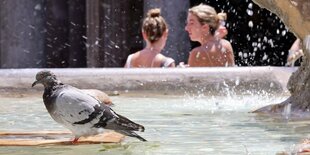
174, 125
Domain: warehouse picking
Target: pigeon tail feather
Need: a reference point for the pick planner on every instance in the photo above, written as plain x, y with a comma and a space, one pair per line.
125, 122
131, 134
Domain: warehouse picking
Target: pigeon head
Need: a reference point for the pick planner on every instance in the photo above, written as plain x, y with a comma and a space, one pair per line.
45, 77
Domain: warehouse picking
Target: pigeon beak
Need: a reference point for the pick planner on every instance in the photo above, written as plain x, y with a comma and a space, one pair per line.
34, 83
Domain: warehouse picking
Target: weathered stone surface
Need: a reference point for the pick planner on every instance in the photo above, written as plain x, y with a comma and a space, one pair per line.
296, 15
208, 81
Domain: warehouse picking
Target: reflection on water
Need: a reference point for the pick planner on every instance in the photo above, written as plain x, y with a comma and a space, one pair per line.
174, 125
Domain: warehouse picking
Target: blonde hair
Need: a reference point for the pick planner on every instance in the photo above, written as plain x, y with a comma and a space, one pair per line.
206, 15
154, 25
222, 16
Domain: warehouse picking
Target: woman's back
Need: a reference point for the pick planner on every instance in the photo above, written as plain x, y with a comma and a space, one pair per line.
216, 53
155, 33
145, 58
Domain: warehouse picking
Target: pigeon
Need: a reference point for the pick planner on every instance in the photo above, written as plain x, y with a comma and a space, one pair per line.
79, 112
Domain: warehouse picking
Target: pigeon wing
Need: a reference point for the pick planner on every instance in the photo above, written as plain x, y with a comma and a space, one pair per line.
73, 106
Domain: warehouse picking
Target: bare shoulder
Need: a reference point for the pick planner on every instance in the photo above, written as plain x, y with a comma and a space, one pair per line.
135, 56
195, 50
225, 42
160, 56
131, 59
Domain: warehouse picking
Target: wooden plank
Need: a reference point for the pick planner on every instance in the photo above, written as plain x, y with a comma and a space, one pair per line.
54, 138
36, 133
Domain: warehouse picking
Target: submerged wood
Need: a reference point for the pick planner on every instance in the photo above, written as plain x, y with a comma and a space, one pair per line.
54, 138
296, 16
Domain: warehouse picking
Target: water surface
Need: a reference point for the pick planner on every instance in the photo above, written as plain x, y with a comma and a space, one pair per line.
174, 125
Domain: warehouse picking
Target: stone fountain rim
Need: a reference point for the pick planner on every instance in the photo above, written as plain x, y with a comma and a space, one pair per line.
155, 80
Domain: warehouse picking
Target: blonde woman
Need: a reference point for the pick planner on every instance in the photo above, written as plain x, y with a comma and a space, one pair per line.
155, 33
202, 23
221, 31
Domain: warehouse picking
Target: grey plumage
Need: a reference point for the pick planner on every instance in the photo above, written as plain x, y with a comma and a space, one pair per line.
79, 112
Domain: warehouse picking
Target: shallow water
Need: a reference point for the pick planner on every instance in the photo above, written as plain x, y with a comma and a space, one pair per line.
174, 125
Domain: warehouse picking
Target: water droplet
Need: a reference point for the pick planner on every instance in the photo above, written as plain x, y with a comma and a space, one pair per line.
248, 37
38, 7
259, 45
237, 82
265, 57
250, 6
250, 24
265, 39
270, 41
249, 12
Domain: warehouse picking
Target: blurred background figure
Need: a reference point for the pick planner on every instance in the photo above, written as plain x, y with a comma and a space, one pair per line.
221, 31
295, 52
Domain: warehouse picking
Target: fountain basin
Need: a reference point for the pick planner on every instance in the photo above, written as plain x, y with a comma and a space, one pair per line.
209, 81
201, 110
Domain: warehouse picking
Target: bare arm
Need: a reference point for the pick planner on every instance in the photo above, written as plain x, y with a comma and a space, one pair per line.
296, 45
295, 52
128, 61
172, 65
191, 58
126, 66
230, 53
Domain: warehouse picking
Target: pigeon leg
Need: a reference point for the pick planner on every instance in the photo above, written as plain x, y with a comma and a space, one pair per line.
75, 141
